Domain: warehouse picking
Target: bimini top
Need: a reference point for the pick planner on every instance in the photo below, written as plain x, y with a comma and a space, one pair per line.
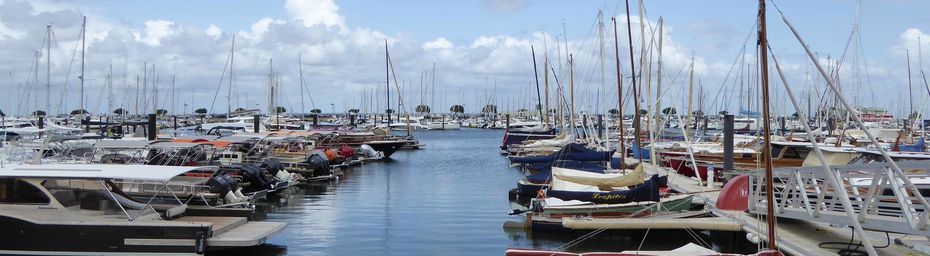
98, 171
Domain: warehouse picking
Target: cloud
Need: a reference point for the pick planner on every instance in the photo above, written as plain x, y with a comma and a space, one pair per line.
503, 6
439, 43
340, 63
213, 31
155, 30
315, 12
6, 32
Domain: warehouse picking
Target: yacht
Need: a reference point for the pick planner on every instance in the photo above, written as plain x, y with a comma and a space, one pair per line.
57, 209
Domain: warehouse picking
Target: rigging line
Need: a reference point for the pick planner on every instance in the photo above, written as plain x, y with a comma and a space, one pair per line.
220, 83
726, 78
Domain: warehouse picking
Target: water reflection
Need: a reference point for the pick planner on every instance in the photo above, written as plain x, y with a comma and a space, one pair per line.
447, 199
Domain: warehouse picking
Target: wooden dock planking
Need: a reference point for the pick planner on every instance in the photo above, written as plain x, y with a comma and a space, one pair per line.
220, 224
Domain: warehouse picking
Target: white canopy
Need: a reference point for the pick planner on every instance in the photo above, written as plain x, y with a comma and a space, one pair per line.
98, 171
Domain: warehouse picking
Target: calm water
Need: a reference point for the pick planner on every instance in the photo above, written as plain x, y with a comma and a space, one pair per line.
447, 199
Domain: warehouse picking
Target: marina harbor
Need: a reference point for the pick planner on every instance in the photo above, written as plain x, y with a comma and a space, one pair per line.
482, 127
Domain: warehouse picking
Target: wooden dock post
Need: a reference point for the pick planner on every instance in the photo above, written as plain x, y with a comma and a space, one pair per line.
150, 127
728, 142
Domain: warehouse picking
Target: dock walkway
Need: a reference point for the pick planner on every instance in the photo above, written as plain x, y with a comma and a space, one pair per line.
794, 236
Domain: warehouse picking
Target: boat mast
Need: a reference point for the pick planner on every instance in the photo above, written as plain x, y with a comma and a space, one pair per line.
767, 146
620, 126
48, 68
601, 34
536, 76
910, 92
109, 90
633, 84
658, 103
545, 117
387, 80
83, 49
232, 60
300, 68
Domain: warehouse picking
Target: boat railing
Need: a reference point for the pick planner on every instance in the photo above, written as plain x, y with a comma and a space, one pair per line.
183, 189
879, 198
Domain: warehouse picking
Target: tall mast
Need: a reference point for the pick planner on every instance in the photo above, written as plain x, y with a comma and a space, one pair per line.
621, 128
232, 60
271, 107
910, 91
633, 83
658, 103
173, 105
601, 31
48, 69
154, 91
767, 147
545, 116
83, 49
536, 76
571, 92
387, 80
109, 90
300, 68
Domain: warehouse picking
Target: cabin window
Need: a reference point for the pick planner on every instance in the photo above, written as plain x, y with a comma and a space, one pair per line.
16, 191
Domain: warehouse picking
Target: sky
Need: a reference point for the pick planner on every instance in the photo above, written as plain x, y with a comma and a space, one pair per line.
480, 50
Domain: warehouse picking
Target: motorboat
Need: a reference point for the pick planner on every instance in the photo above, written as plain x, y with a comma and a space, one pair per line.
80, 209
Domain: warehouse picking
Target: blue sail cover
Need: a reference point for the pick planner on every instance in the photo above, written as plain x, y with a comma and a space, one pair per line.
572, 151
648, 191
545, 172
916, 147
640, 151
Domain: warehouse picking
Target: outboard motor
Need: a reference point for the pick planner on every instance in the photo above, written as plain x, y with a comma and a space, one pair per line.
319, 164
272, 166
255, 176
226, 185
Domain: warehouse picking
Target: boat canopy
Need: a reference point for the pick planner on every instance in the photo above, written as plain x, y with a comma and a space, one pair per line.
99, 171
121, 144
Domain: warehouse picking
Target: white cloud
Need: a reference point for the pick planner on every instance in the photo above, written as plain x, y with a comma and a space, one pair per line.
214, 31
314, 12
155, 30
9, 33
439, 43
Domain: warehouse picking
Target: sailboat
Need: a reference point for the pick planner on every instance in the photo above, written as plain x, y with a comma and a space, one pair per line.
691, 249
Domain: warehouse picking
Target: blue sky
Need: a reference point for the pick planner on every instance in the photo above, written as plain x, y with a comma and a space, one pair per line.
470, 41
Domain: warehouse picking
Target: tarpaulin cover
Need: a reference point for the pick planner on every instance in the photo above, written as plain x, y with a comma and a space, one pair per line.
572, 151
648, 191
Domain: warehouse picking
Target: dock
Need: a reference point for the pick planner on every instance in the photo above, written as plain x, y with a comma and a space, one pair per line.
795, 237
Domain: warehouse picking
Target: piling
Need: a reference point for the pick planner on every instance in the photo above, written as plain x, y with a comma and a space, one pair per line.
150, 127
728, 142
600, 126
175, 119
87, 124
352, 119
584, 123
256, 123
42, 122
316, 119
781, 123
507, 121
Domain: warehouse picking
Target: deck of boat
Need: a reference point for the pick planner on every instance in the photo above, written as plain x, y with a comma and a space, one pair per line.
795, 237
